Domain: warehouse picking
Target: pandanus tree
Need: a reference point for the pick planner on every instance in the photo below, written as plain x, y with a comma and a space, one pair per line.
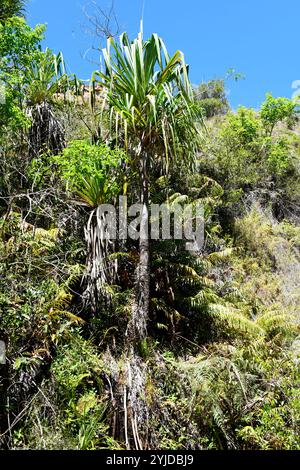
93, 173
47, 82
151, 108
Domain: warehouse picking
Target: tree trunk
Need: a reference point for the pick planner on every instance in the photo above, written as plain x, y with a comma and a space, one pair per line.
140, 311
143, 292
136, 412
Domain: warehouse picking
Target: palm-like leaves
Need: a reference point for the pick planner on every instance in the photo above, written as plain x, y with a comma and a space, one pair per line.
46, 78
152, 112
149, 96
94, 190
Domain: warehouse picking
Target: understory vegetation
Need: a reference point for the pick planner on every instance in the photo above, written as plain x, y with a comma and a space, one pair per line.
138, 344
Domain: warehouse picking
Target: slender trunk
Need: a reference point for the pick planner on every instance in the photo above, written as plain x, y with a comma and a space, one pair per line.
140, 311
143, 286
136, 412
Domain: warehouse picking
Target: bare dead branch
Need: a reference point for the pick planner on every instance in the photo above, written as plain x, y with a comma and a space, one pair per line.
101, 23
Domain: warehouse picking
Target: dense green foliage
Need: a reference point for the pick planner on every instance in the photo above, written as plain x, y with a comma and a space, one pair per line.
212, 98
10, 8
19, 46
215, 364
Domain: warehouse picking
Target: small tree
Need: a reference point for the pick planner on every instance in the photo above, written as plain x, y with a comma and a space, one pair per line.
152, 109
46, 78
93, 173
19, 47
211, 97
275, 110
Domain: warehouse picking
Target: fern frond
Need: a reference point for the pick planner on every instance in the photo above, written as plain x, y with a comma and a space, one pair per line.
235, 319
203, 298
71, 316
274, 320
220, 255
169, 312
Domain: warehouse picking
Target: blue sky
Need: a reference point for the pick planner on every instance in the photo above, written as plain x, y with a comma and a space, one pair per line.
258, 38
